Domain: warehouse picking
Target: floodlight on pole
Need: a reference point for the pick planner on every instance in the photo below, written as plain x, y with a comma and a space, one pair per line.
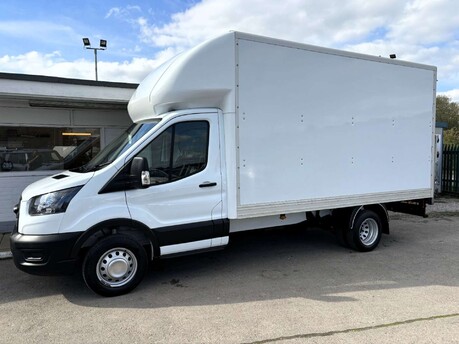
102, 46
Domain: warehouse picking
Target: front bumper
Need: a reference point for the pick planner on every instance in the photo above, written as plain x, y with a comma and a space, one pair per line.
44, 254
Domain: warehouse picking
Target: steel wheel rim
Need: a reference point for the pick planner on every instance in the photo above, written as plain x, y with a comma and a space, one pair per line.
368, 232
116, 267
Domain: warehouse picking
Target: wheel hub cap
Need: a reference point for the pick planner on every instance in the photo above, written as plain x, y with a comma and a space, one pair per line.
368, 232
116, 267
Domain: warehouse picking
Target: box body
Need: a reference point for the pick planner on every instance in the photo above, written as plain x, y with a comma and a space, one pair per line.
321, 129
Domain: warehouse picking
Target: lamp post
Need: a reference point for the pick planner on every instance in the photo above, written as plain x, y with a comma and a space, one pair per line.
102, 46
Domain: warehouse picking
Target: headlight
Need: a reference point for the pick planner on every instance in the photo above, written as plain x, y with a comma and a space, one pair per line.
53, 202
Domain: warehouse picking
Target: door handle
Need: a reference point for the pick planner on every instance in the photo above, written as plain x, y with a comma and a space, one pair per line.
207, 184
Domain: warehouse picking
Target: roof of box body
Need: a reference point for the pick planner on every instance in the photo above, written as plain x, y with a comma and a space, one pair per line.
40, 88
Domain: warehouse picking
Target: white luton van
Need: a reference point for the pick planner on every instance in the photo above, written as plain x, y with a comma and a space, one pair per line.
239, 133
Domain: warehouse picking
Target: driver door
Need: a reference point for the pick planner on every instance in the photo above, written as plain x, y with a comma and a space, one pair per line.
183, 203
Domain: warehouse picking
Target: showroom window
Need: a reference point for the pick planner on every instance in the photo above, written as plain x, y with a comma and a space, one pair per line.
42, 149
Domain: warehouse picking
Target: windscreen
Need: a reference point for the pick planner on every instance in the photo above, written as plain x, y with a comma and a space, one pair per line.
118, 146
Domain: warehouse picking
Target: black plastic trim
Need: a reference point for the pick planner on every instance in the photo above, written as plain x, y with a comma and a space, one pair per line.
207, 185
181, 234
121, 181
114, 224
184, 233
54, 249
221, 228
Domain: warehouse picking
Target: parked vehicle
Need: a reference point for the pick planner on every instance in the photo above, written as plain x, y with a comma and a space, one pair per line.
29, 159
241, 132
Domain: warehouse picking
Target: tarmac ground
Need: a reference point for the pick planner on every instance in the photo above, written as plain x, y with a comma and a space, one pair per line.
5, 246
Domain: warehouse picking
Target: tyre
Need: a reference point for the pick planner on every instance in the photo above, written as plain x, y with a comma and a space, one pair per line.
114, 266
366, 232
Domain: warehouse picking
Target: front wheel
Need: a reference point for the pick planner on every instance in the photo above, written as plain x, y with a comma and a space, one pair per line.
114, 266
366, 232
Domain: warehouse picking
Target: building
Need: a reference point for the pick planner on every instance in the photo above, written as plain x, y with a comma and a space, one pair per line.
50, 124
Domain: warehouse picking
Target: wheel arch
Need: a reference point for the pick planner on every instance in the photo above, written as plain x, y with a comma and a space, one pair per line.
379, 209
132, 228
347, 216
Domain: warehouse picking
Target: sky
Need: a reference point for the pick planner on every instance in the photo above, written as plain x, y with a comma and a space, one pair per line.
43, 37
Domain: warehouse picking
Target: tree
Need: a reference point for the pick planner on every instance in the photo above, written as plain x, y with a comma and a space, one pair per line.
448, 111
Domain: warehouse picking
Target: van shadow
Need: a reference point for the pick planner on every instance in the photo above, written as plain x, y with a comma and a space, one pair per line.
278, 263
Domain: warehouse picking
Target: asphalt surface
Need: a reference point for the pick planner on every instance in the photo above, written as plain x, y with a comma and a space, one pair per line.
287, 285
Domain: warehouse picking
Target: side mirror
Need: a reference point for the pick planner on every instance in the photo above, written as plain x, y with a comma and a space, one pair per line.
140, 172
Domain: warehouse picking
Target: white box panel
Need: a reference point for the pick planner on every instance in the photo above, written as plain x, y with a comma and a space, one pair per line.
316, 125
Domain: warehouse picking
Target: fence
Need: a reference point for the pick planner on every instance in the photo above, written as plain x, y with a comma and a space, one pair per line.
450, 169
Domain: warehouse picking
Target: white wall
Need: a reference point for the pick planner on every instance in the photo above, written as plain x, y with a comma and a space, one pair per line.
11, 186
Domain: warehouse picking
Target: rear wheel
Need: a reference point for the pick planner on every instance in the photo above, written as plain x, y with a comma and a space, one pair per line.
366, 232
114, 266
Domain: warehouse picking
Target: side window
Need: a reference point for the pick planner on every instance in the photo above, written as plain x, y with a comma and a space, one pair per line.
191, 140
158, 154
180, 151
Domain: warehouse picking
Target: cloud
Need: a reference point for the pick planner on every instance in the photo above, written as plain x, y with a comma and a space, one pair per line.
426, 22
113, 12
325, 23
452, 94
122, 12
329, 23
54, 65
